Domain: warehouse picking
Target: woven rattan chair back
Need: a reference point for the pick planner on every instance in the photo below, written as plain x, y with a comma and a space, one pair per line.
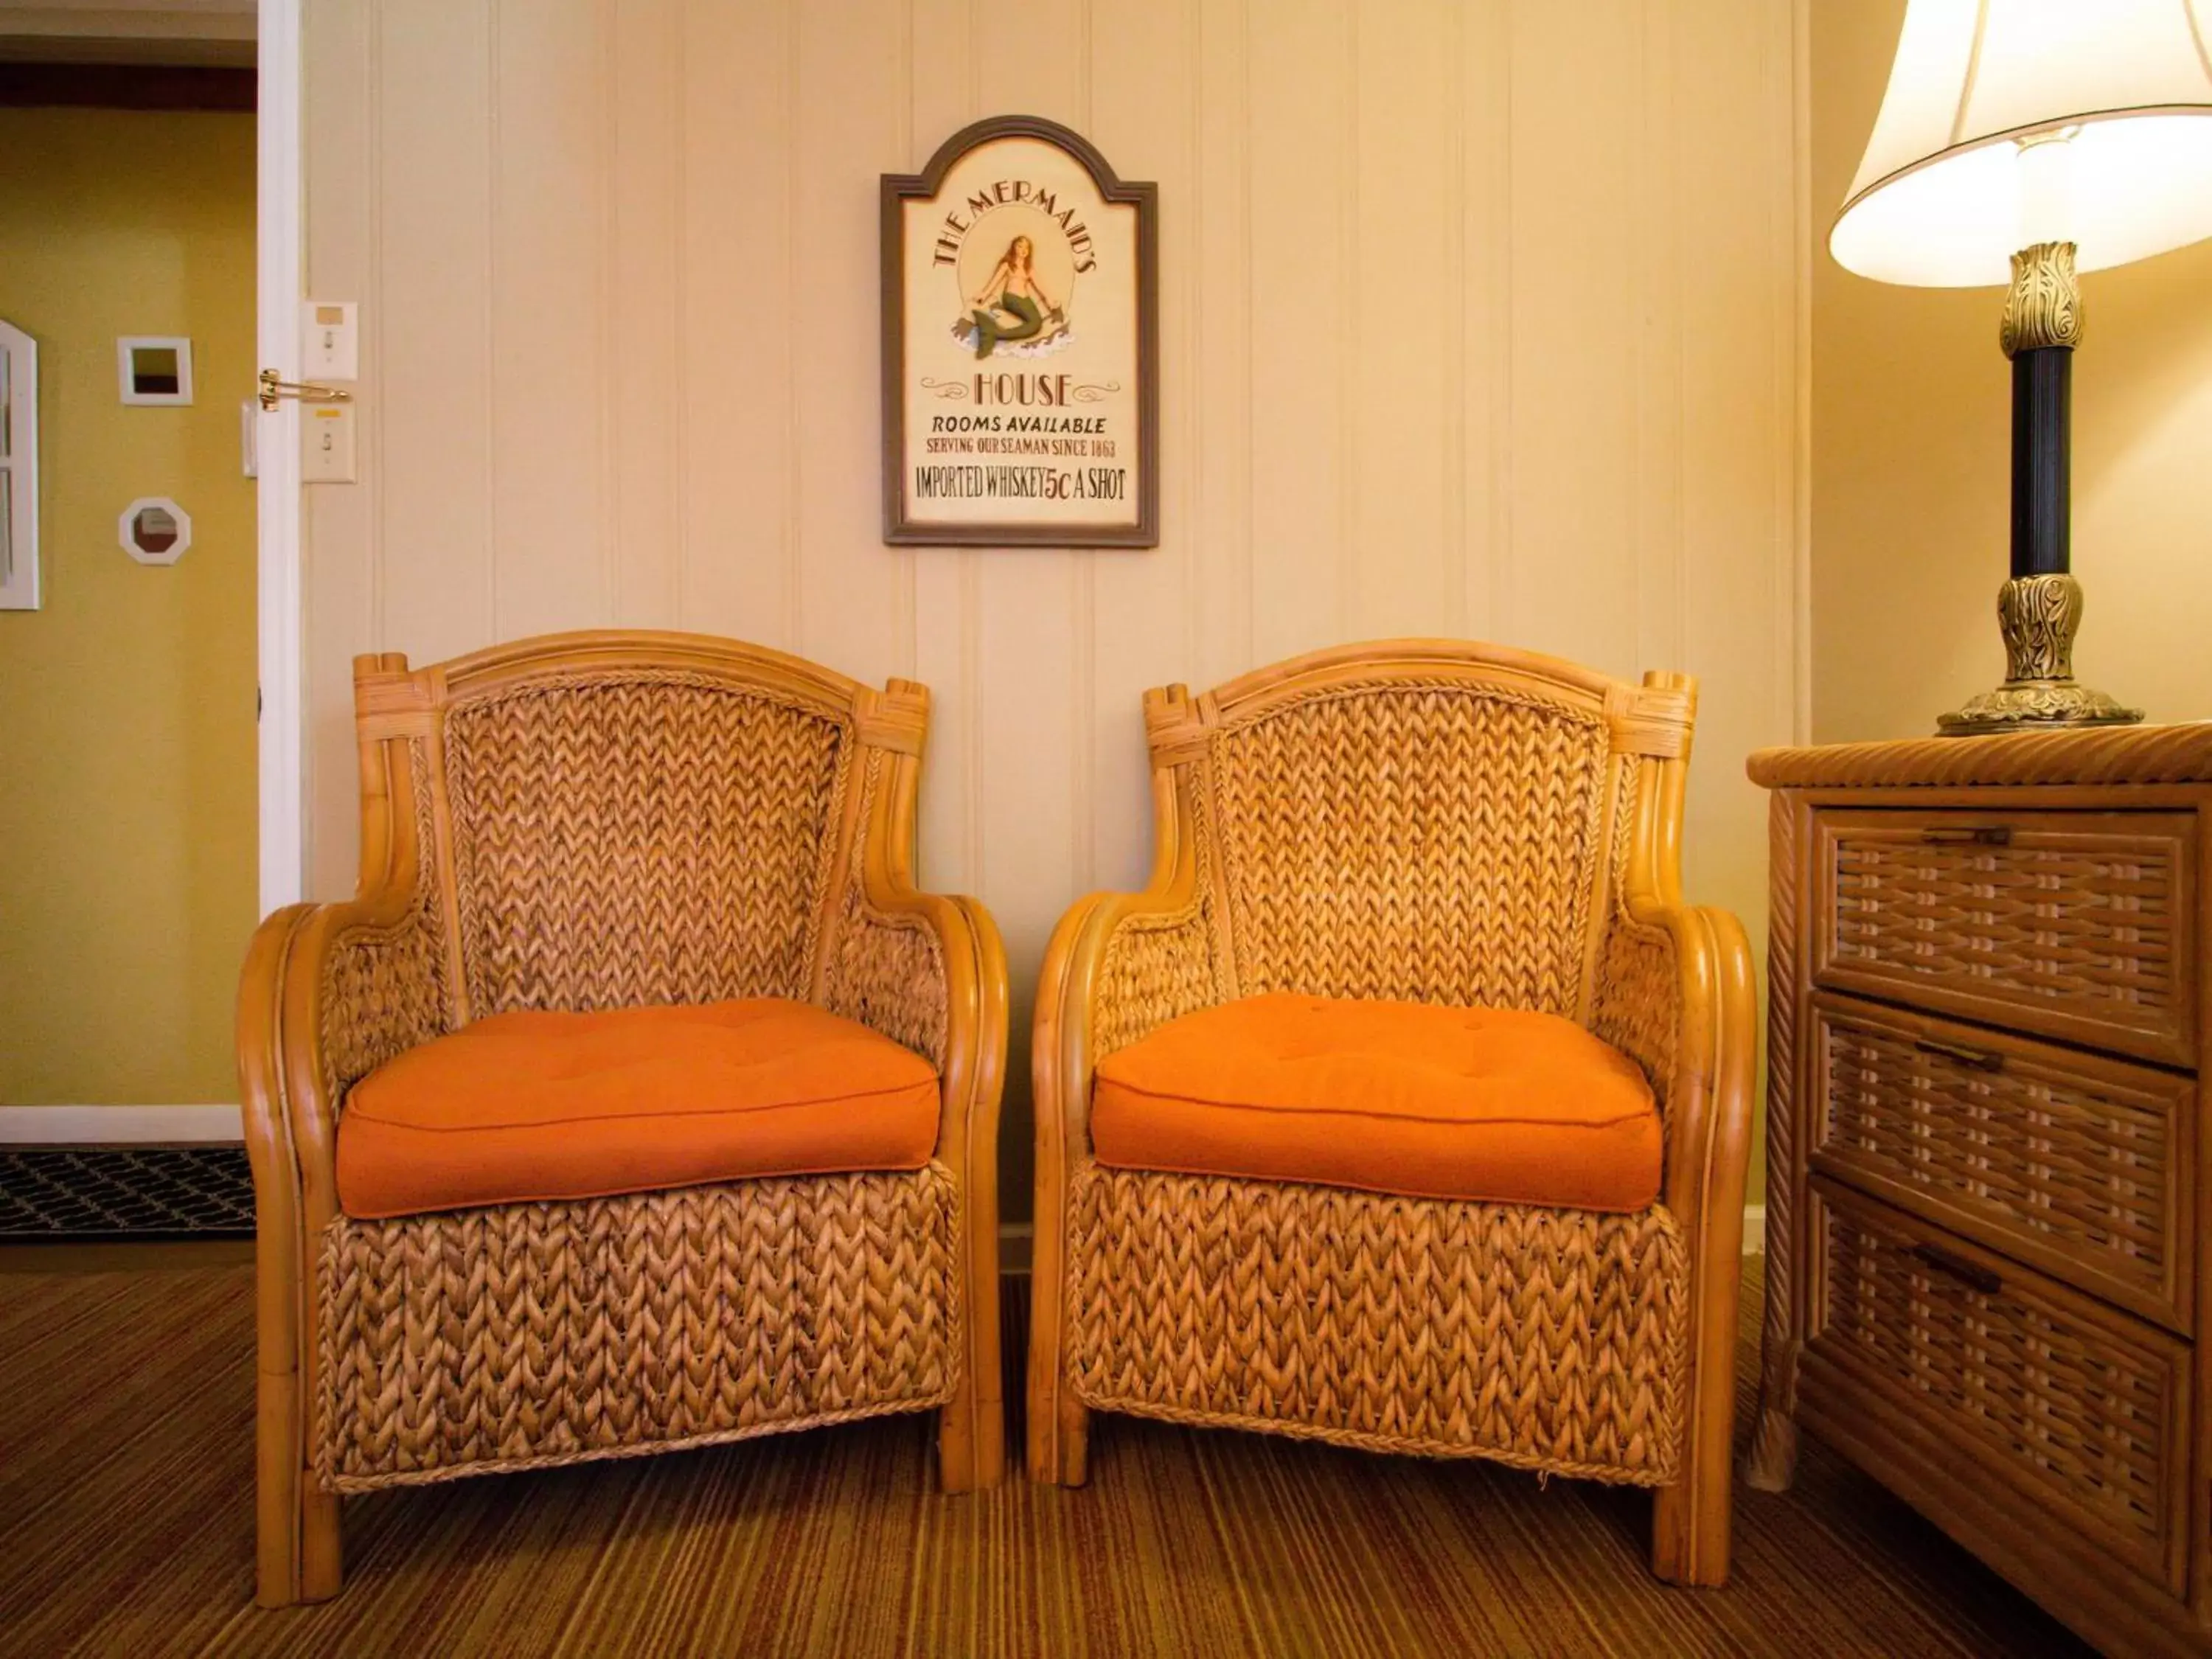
1426, 820
639, 836
670, 823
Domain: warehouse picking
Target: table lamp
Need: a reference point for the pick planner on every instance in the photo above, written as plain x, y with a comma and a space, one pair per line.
2062, 135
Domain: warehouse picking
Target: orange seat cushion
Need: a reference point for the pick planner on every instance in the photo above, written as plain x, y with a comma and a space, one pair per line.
527, 1106
1485, 1103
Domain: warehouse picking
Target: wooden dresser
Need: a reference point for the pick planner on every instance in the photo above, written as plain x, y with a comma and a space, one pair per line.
1986, 1275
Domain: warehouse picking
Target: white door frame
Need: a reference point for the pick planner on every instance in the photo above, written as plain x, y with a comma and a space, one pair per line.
279, 236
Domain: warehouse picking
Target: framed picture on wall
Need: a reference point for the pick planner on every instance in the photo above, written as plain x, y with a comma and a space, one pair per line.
1021, 348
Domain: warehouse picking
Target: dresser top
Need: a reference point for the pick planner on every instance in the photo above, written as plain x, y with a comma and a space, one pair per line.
2089, 754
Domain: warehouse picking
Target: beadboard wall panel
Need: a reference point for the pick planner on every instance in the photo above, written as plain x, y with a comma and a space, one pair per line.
1475, 319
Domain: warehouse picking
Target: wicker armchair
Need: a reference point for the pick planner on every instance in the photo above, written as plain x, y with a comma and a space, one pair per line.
602, 822
1412, 823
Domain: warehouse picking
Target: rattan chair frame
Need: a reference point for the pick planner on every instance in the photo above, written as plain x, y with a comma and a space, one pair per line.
1684, 1006
293, 1097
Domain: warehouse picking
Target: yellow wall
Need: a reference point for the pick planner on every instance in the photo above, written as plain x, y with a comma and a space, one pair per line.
127, 743
1476, 319
1911, 413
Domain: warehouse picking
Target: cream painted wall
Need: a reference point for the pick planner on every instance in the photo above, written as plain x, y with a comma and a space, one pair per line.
1477, 319
126, 750
1912, 423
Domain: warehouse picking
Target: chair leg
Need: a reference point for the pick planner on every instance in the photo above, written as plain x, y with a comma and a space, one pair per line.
971, 1431
1063, 1459
277, 1485
1059, 1423
1690, 1529
321, 1560
297, 1555
1690, 1519
971, 1441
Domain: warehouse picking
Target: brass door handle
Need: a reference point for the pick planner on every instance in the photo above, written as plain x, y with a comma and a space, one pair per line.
274, 390
1980, 1059
1958, 1268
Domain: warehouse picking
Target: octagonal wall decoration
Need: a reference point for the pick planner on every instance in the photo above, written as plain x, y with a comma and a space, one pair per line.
155, 530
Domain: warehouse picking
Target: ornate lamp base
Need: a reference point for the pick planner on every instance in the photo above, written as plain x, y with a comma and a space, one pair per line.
2038, 616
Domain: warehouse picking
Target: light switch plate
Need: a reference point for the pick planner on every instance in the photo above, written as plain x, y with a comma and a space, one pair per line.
329, 341
326, 434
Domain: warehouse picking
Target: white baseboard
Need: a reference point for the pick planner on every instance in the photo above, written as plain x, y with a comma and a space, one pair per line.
1754, 1230
97, 1125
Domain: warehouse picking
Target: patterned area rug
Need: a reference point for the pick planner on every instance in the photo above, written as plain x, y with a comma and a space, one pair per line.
126, 1526
125, 1192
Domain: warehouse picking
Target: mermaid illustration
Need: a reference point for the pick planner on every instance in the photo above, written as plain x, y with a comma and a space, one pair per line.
1011, 308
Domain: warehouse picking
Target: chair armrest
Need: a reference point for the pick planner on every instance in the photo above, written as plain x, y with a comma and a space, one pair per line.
278, 1222
331, 992
1674, 992
928, 971
1118, 964
322, 1000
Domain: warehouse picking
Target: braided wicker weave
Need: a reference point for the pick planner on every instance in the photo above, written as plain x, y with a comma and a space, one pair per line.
1393, 1324
655, 837
1410, 839
534, 1335
597, 821
1440, 823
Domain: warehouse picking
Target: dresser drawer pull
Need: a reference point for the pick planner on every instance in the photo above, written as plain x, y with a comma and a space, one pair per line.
1993, 835
1979, 1060
1979, 1279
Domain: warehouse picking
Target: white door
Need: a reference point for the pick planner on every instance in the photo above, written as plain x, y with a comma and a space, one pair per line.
279, 291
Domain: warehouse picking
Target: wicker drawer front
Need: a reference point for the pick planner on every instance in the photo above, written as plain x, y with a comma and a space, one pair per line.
1995, 1387
2075, 1164
2073, 925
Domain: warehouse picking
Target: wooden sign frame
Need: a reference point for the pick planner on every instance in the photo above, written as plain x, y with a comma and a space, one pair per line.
1017, 455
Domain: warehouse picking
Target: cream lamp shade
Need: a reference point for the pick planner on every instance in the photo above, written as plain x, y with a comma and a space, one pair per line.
2009, 121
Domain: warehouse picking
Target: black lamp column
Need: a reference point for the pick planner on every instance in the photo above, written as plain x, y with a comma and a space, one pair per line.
2040, 607
2042, 435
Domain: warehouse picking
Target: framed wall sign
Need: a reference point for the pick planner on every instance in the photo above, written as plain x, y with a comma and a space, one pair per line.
1021, 389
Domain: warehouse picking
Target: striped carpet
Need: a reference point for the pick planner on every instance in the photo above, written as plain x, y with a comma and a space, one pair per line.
126, 1518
